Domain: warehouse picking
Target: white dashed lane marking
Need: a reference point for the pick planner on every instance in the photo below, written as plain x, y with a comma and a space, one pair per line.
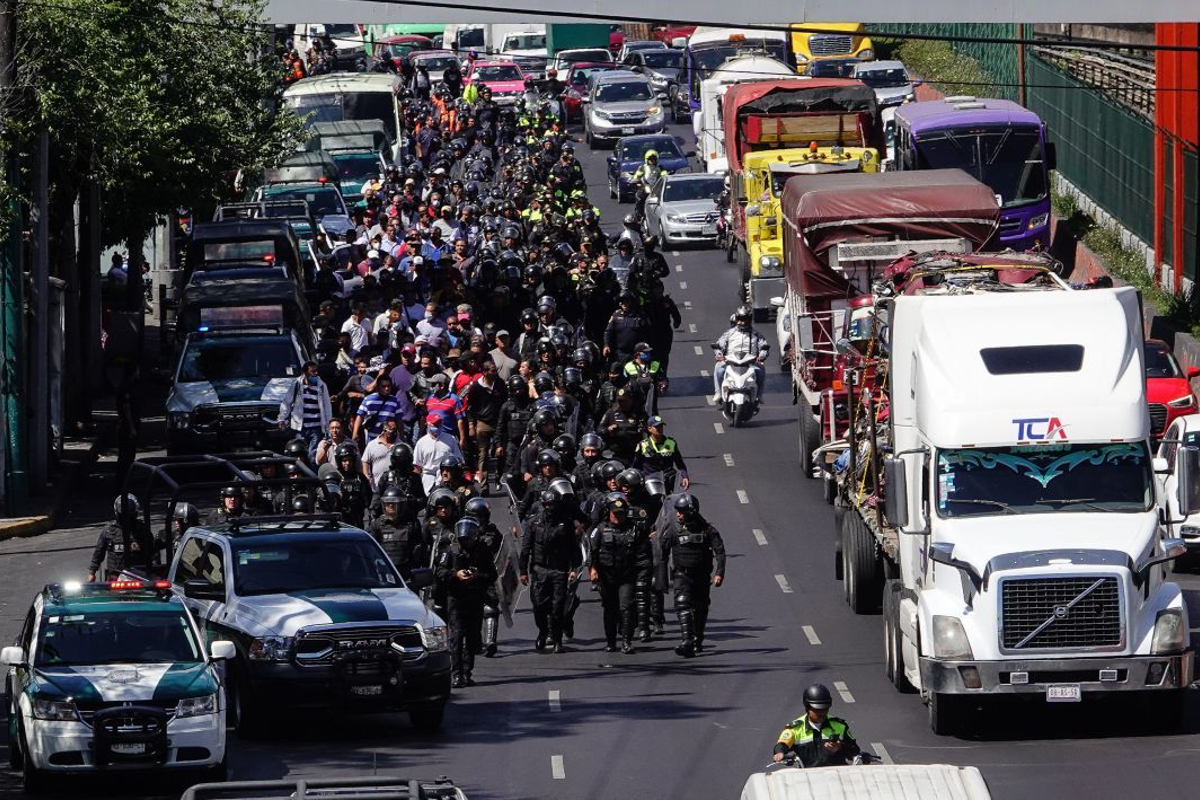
675, 253
679, 267
759, 536
743, 498
843, 691
728, 459
687, 304
699, 350
691, 327
811, 634
705, 374
784, 586
557, 769
683, 285
555, 700
719, 428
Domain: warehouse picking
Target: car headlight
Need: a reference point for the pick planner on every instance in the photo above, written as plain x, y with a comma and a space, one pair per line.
867, 55
654, 110
179, 419
601, 114
950, 639
1038, 220
1189, 532
1170, 635
269, 648
437, 638
197, 706
57, 710
676, 218
1187, 401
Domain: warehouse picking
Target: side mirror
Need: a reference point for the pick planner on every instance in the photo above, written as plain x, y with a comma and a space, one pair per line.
12, 656
610, 159
1051, 156
585, 100
1193, 372
753, 210
200, 589
690, 154
776, 302
652, 200
895, 503
661, 95
1160, 466
918, 82
1172, 549
1187, 474
943, 553
422, 578
222, 650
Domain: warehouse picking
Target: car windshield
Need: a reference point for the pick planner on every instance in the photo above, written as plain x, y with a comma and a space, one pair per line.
1043, 478
355, 168
622, 92
693, 189
239, 357
585, 55
883, 78
1160, 363
663, 58
636, 150
526, 41
498, 72
1008, 160
341, 30
323, 200
436, 63
116, 637
581, 75
297, 566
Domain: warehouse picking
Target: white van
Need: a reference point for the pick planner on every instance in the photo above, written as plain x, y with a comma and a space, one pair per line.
874, 782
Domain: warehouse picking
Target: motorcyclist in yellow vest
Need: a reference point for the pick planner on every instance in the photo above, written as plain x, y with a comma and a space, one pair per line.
659, 454
471, 93
817, 739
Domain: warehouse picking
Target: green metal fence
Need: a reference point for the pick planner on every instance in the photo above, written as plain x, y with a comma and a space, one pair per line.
998, 60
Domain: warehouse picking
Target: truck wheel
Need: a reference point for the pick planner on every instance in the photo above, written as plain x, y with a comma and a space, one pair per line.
828, 487
427, 717
862, 575
743, 270
946, 713
893, 638
243, 710
729, 246
810, 439
839, 519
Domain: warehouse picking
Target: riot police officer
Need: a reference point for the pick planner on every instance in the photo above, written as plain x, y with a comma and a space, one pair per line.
465, 569
632, 483
397, 531
183, 517
550, 552
355, 488
126, 542
231, 507
620, 557
480, 510
401, 476
690, 550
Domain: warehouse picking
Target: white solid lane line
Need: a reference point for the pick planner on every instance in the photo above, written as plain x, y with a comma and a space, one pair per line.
759, 536
743, 498
881, 751
843, 691
675, 253
719, 428
811, 634
699, 350
557, 769
555, 700
728, 459
784, 586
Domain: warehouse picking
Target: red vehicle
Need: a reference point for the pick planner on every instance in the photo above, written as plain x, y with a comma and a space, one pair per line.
1168, 387
667, 34
576, 81
616, 39
504, 78
398, 48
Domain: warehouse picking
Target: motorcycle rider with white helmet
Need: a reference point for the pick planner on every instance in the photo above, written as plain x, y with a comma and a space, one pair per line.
741, 338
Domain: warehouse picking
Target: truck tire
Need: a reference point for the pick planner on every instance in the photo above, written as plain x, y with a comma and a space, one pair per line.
839, 520
862, 576
828, 487
427, 717
743, 270
730, 244
946, 713
893, 638
243, 711
810, 439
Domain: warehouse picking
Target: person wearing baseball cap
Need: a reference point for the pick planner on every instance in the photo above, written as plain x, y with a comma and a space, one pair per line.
431, 449
658, 454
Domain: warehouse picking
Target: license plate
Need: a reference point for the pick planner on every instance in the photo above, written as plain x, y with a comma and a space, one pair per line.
628, 131
130, 748
1064, 693
366, 691
709, 230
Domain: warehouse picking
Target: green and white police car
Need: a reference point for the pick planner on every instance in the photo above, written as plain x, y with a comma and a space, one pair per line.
113, 676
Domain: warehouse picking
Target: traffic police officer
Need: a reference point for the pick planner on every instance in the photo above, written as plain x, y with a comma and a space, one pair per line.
817, 739
690, 549
659, 454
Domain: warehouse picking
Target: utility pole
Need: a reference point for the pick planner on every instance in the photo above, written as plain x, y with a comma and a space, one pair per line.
39, 363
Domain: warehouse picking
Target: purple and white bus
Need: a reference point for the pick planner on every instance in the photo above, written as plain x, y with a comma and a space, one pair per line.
999, 142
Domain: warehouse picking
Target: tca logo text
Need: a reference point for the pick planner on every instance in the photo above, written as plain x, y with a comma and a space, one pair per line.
1038, 429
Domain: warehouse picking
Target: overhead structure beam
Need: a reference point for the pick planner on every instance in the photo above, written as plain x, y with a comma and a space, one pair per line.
718, 11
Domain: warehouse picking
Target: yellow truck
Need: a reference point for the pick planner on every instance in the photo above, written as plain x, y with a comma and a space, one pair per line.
760, 183
818, 40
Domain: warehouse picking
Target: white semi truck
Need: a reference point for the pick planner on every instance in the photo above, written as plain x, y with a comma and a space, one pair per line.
996, 493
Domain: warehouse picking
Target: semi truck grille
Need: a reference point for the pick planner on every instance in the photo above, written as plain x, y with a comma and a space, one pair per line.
1158, 418
1078, 613
830, 44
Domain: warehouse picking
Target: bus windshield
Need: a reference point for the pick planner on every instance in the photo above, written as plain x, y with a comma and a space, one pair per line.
1009, 160
336, 107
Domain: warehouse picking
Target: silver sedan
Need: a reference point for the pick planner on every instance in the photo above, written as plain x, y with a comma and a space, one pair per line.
683, 208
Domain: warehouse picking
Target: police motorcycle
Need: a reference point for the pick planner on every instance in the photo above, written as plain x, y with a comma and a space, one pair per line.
739, 388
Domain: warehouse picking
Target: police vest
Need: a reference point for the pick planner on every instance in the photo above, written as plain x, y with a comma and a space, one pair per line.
631, 369
694, 549
799, 732
651, 449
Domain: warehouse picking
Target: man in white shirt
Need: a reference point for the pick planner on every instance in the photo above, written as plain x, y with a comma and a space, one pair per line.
359, 329
389, 323
431, 448
432, 327
376, 457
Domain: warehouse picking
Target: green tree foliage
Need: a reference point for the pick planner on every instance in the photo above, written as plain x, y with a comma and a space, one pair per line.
159, 102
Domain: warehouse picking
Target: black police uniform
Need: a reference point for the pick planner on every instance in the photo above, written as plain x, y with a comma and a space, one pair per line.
622, 556
465, 600
401, 539
511, 428
409, 484
356, 499
493, 538
549, 551
690, 550
624, 437
112, 552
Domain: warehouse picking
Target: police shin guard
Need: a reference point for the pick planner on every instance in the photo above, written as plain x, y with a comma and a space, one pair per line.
568, 623
643, 610
656, 610
627, 623
491, 627
701, 623
687, 637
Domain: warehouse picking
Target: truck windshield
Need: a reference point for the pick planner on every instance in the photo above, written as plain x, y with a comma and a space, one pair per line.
525, 41
283, 567
355, 168
239, 358
116, 637
1009, 160
1042, 478
324, 201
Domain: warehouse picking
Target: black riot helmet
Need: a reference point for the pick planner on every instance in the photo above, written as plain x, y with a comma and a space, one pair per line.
610, 470
442, 498
591, 440
517, 386
818, 697
564, 445
345, 450
479, 509
401, 458
544, 416
301, 504
296, 448
186, 514
467, 529
126, 507
687, 505
631, 479
548, 458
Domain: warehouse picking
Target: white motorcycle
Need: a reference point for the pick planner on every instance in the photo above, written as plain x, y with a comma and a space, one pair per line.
739, 389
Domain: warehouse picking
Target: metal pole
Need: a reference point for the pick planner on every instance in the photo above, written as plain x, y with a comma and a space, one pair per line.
39, 373
1021, 63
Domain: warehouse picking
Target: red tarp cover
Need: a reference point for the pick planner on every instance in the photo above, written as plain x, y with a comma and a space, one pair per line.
821, 211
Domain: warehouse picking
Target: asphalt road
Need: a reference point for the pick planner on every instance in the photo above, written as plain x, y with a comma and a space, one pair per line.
591, 725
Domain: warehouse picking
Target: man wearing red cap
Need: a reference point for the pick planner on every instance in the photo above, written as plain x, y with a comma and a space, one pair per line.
431, 448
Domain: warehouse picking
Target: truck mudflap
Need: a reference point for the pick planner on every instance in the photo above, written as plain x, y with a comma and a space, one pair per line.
1035, 676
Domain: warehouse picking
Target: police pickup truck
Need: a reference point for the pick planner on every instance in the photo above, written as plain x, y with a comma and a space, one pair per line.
113, 676
319, 616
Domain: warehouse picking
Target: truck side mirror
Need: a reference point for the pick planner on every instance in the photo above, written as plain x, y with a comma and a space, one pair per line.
895, 503
943, 553
1051, 156
804, 333
1172, 549
200, 589
422, 578
1187, 474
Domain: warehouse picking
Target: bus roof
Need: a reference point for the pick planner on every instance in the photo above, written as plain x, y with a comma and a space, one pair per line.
940, 114
708, 35
341, 82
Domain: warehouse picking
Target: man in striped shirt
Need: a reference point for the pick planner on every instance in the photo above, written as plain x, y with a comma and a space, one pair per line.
307, 409
375, 410
449, 405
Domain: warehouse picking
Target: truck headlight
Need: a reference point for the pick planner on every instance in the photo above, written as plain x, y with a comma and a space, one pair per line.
1038, 220
179, 419
867, 55
1187, 401
950, 639
197, 706
437, 638
269, 648
1170, 635
1190, 532
769, 265
56, 710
